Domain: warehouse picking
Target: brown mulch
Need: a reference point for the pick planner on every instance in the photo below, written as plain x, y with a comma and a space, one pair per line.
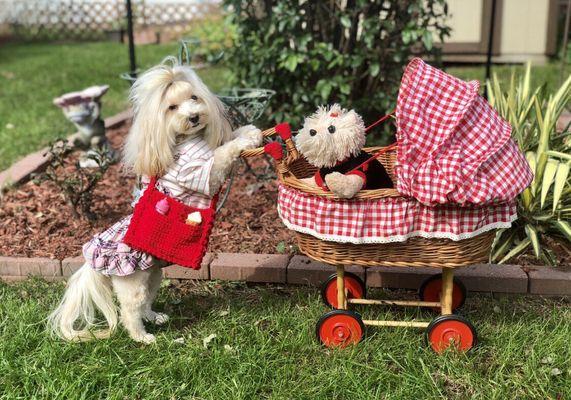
37, 222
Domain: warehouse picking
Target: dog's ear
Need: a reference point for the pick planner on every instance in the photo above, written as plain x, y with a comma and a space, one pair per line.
218, 130
148, 148
355, 119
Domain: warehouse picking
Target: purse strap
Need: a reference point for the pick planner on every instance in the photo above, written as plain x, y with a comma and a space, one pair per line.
153, 184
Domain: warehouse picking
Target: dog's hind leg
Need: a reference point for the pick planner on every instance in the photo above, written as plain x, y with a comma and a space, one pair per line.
154, 285
133, 294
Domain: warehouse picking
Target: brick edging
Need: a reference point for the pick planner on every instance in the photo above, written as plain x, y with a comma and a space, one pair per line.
297, 269
22, 169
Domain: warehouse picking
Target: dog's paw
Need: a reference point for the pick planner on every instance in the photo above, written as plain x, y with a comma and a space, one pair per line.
157, 318
146, 338
343, 186
250, 136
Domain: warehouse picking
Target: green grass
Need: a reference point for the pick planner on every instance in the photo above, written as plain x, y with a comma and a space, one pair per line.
31, 75
274, 353
547, 74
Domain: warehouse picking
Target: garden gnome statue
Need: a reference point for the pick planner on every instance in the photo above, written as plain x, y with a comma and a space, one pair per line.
83, 108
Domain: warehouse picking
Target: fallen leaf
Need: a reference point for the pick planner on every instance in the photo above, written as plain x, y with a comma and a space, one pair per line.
555, 372
547, 360
206, 341
179, 340
224, 313
228, 348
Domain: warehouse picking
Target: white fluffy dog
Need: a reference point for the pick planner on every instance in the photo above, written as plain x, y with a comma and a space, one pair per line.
171, 106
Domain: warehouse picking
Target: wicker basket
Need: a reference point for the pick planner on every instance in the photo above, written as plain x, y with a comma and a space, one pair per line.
415, 252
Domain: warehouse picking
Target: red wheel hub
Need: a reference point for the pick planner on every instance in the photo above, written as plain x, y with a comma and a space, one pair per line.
340, 331
451, 332
432, 290
353, 287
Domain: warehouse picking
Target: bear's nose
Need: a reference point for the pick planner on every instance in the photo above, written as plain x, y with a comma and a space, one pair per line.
194, 119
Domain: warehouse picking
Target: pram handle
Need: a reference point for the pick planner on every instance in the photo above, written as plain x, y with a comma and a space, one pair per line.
258, 151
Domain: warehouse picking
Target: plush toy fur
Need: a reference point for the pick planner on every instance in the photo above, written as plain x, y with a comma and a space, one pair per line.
332, 140
170, 102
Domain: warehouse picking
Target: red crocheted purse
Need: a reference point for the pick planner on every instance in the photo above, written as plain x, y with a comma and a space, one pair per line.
165, 234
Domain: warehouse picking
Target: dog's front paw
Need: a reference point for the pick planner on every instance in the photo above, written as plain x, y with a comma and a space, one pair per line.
250, 136
343, 186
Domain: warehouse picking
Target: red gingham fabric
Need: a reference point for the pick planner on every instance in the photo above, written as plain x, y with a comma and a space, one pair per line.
391, 219
452, 146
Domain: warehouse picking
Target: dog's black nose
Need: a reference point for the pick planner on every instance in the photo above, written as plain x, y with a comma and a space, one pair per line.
194, 119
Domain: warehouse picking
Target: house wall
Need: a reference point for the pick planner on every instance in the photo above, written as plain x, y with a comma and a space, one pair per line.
524, 30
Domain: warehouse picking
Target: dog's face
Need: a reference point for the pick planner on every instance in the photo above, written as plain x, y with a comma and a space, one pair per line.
184, 111
331, 135
171, 101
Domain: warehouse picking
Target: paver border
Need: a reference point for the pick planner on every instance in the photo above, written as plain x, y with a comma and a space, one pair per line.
300, 270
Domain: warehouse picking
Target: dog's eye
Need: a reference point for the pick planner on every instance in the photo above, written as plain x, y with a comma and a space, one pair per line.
312, 132
331, 129
193, 97
173, 107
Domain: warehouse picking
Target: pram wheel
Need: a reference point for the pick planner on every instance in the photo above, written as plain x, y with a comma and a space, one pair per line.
340, 328
448, 330
353, 284
431, 289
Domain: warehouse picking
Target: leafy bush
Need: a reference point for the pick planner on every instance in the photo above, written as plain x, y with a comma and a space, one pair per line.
76, 183
545, 207
210, 37
318, 52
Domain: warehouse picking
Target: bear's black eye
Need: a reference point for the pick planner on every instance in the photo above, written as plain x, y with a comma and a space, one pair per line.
331, 129
312, 132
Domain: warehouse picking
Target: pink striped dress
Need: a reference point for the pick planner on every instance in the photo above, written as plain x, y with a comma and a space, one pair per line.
187, 180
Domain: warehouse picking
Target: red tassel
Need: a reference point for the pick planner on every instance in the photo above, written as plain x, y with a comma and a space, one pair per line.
274, 149
284, 130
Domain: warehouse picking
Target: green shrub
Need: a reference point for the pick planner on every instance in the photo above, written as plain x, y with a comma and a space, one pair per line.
209, 37
320, 52
544, 209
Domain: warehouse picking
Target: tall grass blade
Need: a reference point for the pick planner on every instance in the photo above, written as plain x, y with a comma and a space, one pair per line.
547, 180
516, 250
560, 181
532, 235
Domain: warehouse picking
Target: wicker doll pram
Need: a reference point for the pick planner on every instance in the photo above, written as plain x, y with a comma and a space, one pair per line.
442, 292
456, 167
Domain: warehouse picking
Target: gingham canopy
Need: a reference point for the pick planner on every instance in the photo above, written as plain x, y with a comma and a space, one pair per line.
453, 147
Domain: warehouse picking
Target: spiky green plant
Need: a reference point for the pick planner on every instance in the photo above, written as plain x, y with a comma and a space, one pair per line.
545, 207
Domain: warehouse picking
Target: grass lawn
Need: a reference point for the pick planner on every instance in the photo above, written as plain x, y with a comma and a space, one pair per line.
31, 75
524, 351
547, 74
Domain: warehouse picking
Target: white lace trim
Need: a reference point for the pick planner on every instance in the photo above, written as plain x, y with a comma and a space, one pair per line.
398, 238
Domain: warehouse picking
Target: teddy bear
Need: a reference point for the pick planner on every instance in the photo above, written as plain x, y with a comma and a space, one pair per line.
332, 140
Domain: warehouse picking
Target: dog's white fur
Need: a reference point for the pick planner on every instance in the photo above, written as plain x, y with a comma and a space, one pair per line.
324, 149
170, 102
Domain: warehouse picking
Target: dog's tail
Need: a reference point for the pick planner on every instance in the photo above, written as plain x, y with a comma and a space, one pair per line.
88, 292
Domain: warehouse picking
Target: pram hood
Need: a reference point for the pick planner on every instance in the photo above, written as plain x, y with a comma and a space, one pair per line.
453, 147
